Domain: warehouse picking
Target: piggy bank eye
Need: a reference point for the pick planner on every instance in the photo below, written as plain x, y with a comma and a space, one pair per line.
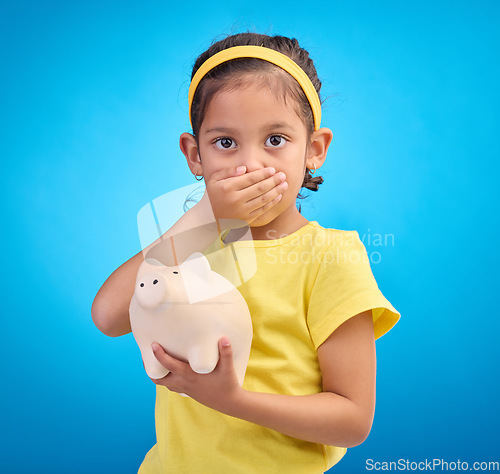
155, 282
176, 273
142, 284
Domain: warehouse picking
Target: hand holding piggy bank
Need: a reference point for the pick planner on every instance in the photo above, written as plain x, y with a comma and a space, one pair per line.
187, 309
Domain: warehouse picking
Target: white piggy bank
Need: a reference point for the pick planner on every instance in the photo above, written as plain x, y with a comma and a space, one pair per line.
187, 309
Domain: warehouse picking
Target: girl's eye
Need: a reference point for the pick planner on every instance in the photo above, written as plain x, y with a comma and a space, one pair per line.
276, 141
224, 143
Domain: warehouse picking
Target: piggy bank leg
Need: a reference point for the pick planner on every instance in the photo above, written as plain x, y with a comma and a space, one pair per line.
153, 367
203, 358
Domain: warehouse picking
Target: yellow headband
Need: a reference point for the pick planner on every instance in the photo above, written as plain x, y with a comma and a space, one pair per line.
266, 54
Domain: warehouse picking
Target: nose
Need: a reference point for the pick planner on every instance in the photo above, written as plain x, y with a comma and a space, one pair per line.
151, 289
253, 157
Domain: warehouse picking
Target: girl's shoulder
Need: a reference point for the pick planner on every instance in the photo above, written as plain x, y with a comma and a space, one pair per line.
330, 230
332, 237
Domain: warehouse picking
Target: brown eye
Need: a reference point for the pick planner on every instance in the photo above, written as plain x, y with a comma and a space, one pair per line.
224, 143
275, 141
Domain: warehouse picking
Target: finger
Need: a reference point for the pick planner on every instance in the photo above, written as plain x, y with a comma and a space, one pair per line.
225, 352
172, 382
261, 187
255, 177
265, 192
262, 210
229, 172
244, 180
163, 380
172, 364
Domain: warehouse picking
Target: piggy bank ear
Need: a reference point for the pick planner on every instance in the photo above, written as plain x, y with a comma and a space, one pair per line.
197, 264
200, 282
154, 262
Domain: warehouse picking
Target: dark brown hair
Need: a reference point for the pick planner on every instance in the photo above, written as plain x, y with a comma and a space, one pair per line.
232, 74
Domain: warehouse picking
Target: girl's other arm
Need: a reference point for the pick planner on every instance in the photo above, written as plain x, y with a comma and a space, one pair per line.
110, 307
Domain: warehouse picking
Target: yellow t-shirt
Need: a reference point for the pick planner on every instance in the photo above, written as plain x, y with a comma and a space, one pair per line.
306, 285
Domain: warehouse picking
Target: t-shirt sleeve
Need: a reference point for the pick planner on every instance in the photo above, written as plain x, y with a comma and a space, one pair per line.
344, 287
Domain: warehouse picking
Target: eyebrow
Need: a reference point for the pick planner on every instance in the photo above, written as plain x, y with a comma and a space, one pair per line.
264, 128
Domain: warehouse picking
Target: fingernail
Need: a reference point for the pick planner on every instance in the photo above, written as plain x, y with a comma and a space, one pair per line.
282, 175
225, 341
272, 170
240, 169
155, 346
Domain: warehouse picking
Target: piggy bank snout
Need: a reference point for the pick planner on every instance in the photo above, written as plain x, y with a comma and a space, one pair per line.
150, 289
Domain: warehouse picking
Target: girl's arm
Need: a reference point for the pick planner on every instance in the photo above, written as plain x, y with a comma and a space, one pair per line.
341, 415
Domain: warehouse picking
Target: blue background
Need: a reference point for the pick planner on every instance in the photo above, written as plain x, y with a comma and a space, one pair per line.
93, 100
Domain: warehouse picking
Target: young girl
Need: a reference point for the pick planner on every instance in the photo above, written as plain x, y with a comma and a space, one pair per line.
309, 389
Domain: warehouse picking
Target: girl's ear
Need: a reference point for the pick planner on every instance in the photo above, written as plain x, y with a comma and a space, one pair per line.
189, 148
318, 147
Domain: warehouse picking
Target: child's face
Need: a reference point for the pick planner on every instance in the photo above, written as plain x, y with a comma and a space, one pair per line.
251, 127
